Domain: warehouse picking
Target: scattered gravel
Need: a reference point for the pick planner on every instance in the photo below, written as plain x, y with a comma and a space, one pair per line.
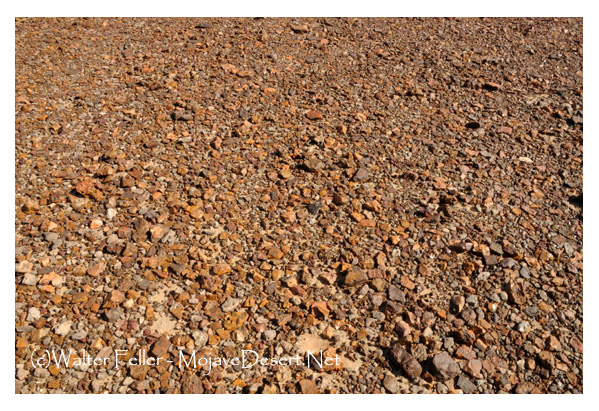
405, 194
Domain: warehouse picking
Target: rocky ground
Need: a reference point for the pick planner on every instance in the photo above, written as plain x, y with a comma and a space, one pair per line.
405, 194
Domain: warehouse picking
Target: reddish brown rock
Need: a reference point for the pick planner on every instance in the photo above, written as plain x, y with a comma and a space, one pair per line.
411, 368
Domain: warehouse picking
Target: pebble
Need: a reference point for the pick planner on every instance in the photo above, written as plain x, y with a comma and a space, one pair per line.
30, 279
230, 304
361, 175
391, 384
465, 385
269, 335
444, 366
64, 328
355, 276
33, 315
24, 267
161, 346
408, 364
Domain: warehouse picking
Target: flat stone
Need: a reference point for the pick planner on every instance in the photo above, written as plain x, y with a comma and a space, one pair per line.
230, 304
391, 384
222, 268
30, 279
161, 346
158, 231
396, 294
465, 385
24, 267
355, 276
63, 328
361, 175
308, 387
444, 366
33, 314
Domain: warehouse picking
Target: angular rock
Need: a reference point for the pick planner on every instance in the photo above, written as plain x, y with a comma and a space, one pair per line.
444, 366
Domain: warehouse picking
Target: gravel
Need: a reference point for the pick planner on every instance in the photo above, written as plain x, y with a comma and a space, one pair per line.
405, 194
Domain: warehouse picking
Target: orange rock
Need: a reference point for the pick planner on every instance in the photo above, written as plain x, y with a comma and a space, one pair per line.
222, 268
319, 309
314, 115
96, 269
308, 387
367, 223
85, 186
275, 253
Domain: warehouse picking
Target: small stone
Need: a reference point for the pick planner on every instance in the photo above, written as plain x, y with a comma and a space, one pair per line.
457, 303
64, 328
403, 329
182, 116
85, 186
314, 115
514, 293
553, 343
407, 283
161, 346
491, 86
22, 374
462, 247
269, 335
299, 28
505, 130
355, 276
164, 325
24, 267
547, 360
319, 309
367, 223
411, 368
391, 384
308, 387
51, 237
340, 199
507, 263
396, 294
496, 248
33, 314
30, 279
216, 143
473, 367
230, 304
96, 223
96, 269
158, 231
465, 385
491, 260
525, 160
523, 326
151, 144
577, 120
314, 207
361, 175
288, 216
313, 165
221, 268
275, 253
445, 367
111, 213
114, 314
